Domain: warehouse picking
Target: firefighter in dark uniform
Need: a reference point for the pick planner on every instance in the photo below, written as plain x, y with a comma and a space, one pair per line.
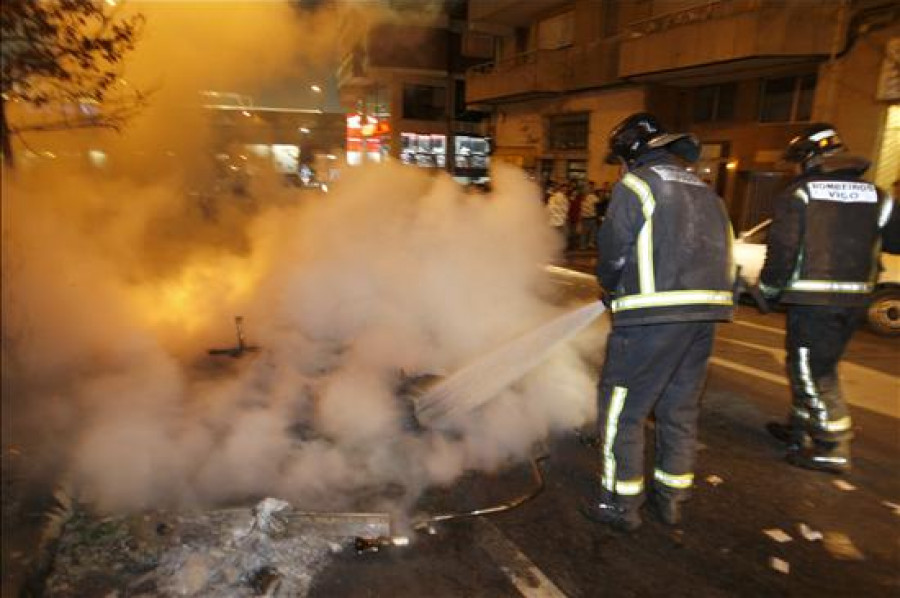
822, 263
666, 269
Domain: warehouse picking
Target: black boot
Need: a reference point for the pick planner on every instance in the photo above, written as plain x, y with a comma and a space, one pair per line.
619, 517
831, 457
666, 507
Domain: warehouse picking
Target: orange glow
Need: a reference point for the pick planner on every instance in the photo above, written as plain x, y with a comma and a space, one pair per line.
197, 296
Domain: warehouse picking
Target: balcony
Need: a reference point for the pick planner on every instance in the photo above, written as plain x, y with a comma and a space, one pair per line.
544, 72
353, 71
732, 35
510, 13
529, 75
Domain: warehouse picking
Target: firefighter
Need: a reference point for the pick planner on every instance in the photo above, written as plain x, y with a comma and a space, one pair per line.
666, 271
821, 262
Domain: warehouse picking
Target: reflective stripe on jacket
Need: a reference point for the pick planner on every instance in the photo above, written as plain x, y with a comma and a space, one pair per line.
665, 247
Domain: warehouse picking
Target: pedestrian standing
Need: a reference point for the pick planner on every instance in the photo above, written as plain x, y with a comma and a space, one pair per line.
666, 272
573, 216
589, 217
557, 210
821, 263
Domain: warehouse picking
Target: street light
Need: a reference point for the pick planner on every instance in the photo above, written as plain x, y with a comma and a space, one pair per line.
316, 88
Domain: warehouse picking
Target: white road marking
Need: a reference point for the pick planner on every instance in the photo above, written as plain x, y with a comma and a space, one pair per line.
528, 579
759, 326
746, 369
863, 386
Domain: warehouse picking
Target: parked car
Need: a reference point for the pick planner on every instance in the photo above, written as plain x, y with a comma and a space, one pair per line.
883, 313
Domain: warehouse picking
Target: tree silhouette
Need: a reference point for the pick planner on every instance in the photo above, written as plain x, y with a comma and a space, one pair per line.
66, 56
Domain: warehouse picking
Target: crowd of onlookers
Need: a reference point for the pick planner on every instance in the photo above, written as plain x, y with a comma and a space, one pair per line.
575, 210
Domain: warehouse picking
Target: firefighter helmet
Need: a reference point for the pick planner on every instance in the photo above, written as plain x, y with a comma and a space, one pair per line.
643, 131
820, 139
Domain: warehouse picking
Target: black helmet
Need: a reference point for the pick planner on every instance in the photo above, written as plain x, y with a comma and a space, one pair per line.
642, 131
820, 139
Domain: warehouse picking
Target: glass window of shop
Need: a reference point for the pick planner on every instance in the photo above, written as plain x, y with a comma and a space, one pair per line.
787, 99
423, 149
568, 131
424, 102
471, 152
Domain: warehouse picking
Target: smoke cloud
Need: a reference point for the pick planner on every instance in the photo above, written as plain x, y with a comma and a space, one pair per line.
114, 290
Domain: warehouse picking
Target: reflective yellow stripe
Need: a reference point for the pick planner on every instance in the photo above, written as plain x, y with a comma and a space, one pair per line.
806, 377
645, 237
800, 412
612, 425
669, 298
839, 425
675, 481
630, 487
830, 286
886, 208
732, 263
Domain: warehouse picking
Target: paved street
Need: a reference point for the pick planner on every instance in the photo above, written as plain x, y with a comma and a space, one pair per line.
744, 489
545, 548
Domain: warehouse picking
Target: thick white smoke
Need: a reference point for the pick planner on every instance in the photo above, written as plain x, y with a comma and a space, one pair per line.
114, 290
399, 271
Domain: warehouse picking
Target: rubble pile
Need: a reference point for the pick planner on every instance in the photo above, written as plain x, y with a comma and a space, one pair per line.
233, 552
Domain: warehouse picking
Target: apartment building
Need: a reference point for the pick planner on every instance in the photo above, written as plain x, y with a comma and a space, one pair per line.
744, 75
402, 80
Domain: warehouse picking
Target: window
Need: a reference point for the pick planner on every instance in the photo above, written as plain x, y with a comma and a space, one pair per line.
714, 102
424, 102
787, 99
568, 131
576, 170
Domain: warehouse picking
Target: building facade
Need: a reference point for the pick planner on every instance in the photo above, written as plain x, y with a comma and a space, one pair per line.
744, 75
402, 81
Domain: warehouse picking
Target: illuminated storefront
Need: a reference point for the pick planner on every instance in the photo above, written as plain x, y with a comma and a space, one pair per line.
423, 149
368, 139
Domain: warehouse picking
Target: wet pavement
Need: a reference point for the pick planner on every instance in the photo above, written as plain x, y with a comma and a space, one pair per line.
743, 491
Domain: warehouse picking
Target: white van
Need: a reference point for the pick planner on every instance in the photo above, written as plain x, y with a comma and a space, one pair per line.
884, 309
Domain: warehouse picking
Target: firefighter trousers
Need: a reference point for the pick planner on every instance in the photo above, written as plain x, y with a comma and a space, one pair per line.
658, 368
817, 336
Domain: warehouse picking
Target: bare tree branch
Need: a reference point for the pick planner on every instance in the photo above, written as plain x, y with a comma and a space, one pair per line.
64, 53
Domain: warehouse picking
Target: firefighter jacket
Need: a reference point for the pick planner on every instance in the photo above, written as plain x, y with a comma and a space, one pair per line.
665, 247
825, 239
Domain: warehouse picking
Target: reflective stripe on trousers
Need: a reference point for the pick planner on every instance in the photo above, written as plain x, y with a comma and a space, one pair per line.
815, 409
624, 487
681, 481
